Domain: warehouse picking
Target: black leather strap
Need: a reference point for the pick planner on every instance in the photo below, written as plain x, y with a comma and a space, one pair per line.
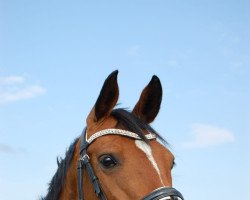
84, 163
93, 177
79, 180
83, 142
164, 192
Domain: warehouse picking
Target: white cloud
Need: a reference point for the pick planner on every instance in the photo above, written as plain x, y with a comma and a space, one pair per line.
5, 148
9, 80
208, 135
13, 88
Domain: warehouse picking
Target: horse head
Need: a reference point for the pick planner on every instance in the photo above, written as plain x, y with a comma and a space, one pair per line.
119, 155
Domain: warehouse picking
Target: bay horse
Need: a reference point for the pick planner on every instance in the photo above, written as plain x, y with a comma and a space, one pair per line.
119, 156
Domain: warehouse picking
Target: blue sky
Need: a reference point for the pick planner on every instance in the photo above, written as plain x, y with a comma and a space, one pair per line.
55, 55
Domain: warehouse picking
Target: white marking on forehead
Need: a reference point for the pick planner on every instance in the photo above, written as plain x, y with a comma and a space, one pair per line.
148, 151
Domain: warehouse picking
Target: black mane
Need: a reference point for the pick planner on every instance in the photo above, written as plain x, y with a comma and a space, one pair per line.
126, 120
58, 179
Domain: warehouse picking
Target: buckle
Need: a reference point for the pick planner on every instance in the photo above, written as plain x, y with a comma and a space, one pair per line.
84, 158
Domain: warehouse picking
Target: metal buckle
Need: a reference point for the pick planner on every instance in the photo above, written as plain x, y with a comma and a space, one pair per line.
84, 158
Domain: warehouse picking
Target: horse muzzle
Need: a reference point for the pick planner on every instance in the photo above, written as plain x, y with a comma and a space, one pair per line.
164, 193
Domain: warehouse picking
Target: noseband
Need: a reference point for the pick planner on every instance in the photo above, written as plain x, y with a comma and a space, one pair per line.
163, 193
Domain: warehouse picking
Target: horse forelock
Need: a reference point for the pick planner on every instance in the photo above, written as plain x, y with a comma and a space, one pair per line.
131, 122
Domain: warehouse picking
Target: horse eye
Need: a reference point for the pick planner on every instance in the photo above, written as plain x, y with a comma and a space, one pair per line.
108, 161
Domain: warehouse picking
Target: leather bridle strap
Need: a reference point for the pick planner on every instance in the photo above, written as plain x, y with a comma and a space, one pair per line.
164, 193
79, 179
84, 163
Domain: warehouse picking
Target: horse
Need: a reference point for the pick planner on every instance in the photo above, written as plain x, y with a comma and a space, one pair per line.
118, 155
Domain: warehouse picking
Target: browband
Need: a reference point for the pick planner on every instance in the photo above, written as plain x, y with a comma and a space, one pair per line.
121, 132
84, 161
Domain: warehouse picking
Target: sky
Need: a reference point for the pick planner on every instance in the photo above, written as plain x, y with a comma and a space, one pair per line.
55, 55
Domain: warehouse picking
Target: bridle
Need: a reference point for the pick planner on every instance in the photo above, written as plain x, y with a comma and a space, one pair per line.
163, 193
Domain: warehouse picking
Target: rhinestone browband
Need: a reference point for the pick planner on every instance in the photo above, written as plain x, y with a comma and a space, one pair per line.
121, 132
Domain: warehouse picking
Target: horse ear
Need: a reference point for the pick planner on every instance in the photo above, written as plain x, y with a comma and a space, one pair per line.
107, 99
149, 103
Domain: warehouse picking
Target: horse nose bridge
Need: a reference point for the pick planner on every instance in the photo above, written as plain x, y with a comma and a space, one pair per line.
148, 181
155, 166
